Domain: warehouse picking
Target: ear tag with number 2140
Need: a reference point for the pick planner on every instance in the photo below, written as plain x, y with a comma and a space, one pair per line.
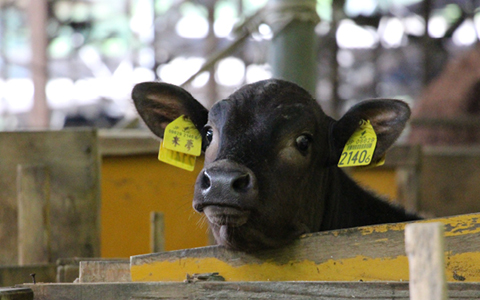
181, 144
358, 150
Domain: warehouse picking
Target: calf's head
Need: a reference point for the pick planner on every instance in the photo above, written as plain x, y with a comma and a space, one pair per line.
270, 152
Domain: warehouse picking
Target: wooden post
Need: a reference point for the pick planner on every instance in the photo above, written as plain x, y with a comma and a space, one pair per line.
157, 232
38, 15
424, 244
408, 179
33, 198
105, 271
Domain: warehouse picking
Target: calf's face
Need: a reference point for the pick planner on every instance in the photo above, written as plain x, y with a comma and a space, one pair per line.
269, 151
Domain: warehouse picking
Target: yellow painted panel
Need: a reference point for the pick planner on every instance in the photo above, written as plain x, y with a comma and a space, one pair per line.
461, 267
306, 270
462, 257
134, 186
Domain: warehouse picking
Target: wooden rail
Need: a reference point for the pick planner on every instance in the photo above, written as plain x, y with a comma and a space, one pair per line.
370, 253
240, 290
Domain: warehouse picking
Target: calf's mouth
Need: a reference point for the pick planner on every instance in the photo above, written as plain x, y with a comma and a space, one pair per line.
226, 215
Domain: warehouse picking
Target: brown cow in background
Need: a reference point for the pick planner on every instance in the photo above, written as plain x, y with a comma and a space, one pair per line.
448, 109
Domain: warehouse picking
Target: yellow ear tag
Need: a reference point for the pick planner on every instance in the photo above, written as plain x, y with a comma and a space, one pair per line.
358, 150
177, 159
181, 144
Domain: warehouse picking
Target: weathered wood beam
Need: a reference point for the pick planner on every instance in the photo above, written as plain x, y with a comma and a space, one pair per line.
74, 167
105, 271
157, 231
34, 229
12, 275
240, 290
424, 244
16, 294
369, 253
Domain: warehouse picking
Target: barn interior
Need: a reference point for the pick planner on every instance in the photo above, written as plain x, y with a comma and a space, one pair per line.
80, 179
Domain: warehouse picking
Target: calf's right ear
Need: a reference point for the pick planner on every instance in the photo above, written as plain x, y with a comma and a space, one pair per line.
160, 103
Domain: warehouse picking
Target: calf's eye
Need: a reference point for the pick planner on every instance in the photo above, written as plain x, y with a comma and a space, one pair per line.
208, 136
303, 142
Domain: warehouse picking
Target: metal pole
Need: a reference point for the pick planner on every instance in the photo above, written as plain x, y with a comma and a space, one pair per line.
293, 49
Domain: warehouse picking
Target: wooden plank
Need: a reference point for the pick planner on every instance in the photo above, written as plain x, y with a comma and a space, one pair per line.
33, 196
424, 245
67, 273
12, 275
16, 294
105, 271
403, 155
74, 164
157, 231
240, 290
367, 253
450, 181
69, 269
127, 142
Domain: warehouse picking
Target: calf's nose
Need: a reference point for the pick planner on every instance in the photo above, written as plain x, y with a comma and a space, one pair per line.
232, 181
226, 184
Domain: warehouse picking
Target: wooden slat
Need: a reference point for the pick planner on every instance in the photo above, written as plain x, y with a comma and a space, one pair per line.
33, 196
403, 156
127, 142
12, 275
157, 231
105, 271
424, 245
366, 253
450, 181
74, 166
241, 290
16, 294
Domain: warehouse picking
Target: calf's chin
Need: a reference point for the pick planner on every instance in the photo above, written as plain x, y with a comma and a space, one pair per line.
226, 216
249, 238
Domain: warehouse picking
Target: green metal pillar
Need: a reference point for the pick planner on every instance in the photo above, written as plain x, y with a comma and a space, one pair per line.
293, 48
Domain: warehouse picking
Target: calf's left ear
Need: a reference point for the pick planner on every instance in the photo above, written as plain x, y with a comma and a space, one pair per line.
388, 118
160, 103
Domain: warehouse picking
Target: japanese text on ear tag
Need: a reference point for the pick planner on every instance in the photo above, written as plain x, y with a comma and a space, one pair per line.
181, 144
358, 150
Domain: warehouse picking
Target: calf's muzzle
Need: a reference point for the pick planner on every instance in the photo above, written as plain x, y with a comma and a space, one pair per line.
226, 188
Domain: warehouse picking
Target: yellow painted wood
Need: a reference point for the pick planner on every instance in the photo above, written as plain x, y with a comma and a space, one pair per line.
136, 185
369, 253
380, 180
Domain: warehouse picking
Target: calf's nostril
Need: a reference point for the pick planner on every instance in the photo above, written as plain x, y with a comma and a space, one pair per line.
205, 182
241, 183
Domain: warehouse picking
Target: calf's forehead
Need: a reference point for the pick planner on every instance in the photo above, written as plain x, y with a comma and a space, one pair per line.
267, 102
